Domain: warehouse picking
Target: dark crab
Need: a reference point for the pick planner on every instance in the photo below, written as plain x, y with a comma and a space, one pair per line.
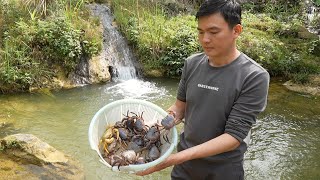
136, 143
139, 126
125, 134
153, 154
167, 123
153, 134
152, 137
128, 121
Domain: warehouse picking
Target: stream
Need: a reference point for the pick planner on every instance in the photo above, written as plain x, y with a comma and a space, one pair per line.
284, 143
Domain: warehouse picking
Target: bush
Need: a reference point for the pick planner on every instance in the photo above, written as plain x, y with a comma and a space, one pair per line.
17, 69
32, 45
183, 44
57, 42
160, 42
276, 46
282, 10
163, 42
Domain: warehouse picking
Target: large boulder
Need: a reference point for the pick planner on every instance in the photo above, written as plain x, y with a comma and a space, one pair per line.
313, 87
99, 70
37, 158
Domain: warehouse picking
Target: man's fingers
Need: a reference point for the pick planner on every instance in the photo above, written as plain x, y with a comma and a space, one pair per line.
145, 172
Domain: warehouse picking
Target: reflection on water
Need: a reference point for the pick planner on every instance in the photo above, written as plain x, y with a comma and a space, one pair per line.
284, 144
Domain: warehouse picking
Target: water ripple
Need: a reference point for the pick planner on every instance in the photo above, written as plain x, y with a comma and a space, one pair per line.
280, 148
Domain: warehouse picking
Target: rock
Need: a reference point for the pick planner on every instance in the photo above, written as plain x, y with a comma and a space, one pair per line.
2, 124
99, 70
154, 73
39, 158
312, 88
304, 33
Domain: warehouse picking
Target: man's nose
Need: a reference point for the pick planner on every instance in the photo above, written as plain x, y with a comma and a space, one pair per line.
206, 38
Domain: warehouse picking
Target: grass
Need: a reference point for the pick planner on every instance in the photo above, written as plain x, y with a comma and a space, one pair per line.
159, 40
37, 35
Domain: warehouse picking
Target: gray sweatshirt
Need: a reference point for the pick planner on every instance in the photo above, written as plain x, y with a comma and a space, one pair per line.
221, 100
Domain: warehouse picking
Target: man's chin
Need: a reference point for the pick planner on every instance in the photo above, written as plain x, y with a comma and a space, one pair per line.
210, 53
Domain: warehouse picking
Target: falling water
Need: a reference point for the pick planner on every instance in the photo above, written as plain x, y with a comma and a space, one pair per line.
313, 12
115, 47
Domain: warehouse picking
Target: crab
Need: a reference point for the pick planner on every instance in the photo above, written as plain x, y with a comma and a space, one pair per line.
153, 134
108, 138
127, 157
139, 126
125, 134
136, 144
153, 154
152, 137
167, 123
128, 121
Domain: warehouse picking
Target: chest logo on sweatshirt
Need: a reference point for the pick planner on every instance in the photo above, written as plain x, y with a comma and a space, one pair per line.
208, 87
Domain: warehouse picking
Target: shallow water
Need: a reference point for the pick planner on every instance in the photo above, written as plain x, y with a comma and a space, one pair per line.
284, 142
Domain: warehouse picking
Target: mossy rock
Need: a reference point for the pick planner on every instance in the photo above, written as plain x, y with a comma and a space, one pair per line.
154, 73
37, 158
313, 87
304, 33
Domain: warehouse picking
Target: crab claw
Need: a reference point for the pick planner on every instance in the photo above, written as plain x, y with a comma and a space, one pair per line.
168, 122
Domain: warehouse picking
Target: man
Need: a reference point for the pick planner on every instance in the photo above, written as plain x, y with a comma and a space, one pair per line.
220, 93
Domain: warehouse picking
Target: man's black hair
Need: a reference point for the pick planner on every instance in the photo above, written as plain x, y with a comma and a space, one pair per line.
229, 9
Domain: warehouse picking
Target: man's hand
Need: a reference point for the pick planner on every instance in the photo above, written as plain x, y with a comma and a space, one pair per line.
220, 144
173, 159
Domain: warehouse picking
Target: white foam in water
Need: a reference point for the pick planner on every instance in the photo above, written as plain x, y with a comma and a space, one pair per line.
137, 89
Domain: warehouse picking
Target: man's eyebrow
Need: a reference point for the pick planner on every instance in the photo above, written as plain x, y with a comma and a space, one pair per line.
211, 28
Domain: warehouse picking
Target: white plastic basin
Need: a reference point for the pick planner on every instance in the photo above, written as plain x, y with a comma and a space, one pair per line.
113, 112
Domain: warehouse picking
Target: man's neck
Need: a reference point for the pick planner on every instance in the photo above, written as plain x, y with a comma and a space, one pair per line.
224, 60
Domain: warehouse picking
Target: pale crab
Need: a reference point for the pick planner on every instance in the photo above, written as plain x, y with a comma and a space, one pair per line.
109, 139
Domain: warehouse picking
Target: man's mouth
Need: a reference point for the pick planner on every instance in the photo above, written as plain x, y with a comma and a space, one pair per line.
208, 48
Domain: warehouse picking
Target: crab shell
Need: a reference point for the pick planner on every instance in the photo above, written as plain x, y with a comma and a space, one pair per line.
168, 122
129, 156
153, 153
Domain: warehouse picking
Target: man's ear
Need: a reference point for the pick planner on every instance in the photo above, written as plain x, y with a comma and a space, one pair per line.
237, 30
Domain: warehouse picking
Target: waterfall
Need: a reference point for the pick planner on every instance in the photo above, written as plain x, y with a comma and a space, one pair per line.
115, 47
122, 62
313, 12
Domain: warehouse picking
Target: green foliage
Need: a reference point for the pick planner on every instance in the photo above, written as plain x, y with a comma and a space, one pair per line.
57, 41
8, 145
301, 78
314, 48
161, 42
184, 43
283, 10
39, 35
18, 70
277, 47
316, 22
38, 6
98, 1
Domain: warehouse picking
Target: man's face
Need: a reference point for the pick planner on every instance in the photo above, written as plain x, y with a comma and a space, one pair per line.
215, 36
